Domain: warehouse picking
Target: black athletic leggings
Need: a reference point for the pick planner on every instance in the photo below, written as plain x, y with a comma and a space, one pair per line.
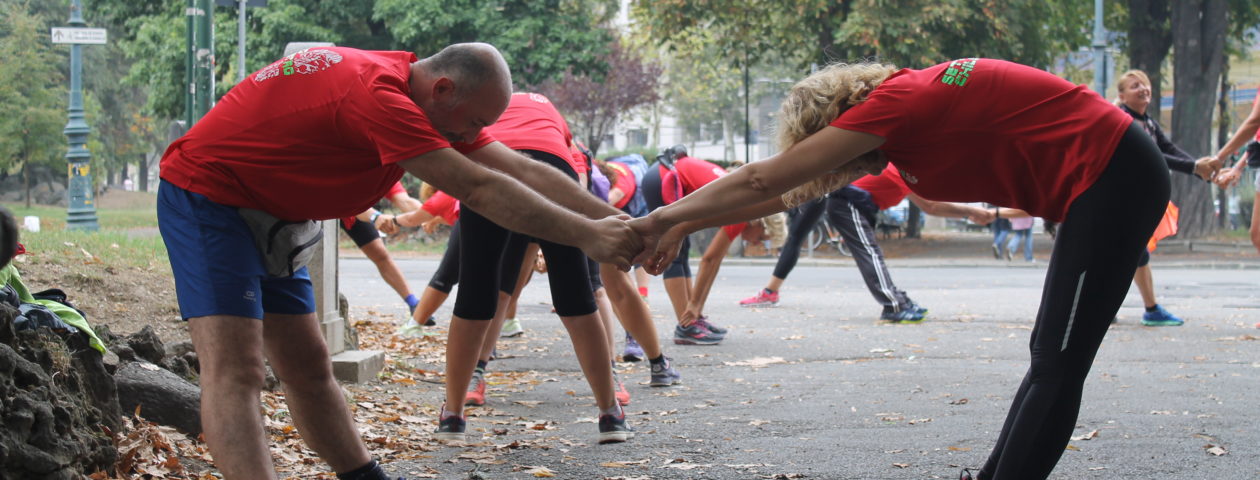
651, 188
485, 247
1094, 258
447, 273
804, 217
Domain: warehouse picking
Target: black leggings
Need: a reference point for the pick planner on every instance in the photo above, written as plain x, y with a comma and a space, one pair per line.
447, 274
651, 188
1094, 258
485, 246
804, 217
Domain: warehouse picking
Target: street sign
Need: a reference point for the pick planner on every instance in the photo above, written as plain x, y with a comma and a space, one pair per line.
248, 3
82, 36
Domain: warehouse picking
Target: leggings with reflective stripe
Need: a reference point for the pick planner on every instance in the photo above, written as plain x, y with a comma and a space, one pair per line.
1094, 258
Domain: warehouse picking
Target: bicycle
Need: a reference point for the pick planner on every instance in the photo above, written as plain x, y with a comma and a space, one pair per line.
824, 232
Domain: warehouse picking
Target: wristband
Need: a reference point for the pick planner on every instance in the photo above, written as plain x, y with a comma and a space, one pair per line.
997, 213
394, 219
372, 219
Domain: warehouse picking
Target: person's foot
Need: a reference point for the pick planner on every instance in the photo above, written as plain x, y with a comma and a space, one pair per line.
1008, 255
619, 390
695, 335
703, 322
914, 307
763, 298
902, 316
451, 429
664, 375
997, 252
1161, 318
633, 351
476, 395
511, 328
430, 322
410, 329
613, 428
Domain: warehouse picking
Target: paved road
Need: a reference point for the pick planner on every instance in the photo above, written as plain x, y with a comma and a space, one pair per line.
818, 387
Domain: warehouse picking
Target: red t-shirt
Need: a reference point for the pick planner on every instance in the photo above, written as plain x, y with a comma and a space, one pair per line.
982, 130
625, 182
531, 122
315, 135
442, 205
689, 174
886, 189
395, 190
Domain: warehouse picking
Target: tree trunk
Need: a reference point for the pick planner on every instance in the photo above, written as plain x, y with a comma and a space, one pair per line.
26, 181
142, 173
1223, 130
1150, 38
1198, 28
912, 221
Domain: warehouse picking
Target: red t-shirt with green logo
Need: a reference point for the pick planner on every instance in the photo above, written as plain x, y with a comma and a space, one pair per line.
983, 130
315, 135
531, 122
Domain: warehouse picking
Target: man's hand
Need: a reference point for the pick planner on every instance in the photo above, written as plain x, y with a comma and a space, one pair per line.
612, 241
1206, 167
386, 225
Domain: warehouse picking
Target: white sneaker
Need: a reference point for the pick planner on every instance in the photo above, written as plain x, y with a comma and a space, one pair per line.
411, 329
511, 328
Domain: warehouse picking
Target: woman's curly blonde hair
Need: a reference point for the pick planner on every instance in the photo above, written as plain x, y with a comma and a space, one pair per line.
815, 102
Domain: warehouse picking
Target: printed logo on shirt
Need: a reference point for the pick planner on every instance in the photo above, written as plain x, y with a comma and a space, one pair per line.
538, 98
959, 71
908, 177
304, 62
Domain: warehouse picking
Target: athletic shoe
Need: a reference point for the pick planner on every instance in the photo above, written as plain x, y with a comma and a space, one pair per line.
997, 252
914, 307
410, 329
511, 328
902, 316
476, 390
451, 429
695, 335
1008, 255
703, 322
664, 375
967, 474
1161, 318
430, 322
619, 390
613, 428
633, 351
763, 298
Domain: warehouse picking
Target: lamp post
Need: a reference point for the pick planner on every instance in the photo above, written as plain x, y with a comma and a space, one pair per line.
81, 208
1100, 50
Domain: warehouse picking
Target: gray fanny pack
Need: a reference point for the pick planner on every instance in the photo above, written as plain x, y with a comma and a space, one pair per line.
286, 246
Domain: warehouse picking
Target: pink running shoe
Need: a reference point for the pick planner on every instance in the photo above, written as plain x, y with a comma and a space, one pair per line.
764, 298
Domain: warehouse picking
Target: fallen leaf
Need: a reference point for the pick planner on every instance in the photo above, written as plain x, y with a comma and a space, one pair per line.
1087, 436
1216, 450
756, 362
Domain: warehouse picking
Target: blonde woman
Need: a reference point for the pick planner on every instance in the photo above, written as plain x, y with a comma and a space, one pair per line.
972, 130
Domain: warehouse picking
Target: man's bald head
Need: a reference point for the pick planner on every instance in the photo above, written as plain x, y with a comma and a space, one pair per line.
471, 66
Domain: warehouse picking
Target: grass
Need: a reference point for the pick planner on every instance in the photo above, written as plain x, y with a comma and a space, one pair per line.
127, 236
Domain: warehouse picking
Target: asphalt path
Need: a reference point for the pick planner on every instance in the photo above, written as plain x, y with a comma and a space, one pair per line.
819, 388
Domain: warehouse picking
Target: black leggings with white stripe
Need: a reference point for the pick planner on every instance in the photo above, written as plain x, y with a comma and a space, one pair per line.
1095, 255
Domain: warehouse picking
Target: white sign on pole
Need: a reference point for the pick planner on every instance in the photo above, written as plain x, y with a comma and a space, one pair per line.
82, 36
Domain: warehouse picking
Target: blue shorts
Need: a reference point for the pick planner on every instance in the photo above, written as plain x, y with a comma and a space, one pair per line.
217, 267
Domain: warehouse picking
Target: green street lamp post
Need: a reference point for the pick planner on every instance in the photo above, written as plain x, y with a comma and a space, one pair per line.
81, 210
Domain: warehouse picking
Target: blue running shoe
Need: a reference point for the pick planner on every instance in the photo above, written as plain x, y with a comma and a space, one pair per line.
664, 375
694, 334
1161, 318
633, 352
902, 316
613, 428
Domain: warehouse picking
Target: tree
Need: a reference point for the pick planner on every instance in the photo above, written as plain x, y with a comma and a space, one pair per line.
1199, 29
32, 96
592, 102
540, 39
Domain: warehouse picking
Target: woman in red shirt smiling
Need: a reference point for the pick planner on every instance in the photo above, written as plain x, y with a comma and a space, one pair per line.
973, 130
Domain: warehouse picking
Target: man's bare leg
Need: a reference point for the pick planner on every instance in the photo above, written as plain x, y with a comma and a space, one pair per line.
230, 350
295, 345
1146, 285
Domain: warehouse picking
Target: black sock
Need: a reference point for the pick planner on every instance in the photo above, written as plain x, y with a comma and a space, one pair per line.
371, 471
1152, 308
481, 365
769, 291
660, 359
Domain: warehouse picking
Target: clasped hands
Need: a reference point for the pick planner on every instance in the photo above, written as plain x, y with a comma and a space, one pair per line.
622, 241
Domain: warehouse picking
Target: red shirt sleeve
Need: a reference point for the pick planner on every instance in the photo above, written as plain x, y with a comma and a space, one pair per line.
733, 231
396, 189
442, 205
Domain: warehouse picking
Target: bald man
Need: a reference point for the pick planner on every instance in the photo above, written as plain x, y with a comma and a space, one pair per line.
322, 134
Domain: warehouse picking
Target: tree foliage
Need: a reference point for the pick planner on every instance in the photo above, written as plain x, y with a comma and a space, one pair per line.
592, 103
540, 39
33, 93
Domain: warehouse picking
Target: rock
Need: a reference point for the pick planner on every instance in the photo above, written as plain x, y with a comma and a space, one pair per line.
352, 334
147, 345
163, 397
178, 349
56, 401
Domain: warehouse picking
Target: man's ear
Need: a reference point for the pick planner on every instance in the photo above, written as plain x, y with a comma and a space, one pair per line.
443, 89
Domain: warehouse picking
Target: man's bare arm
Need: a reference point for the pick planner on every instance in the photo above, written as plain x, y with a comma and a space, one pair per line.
544, 179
